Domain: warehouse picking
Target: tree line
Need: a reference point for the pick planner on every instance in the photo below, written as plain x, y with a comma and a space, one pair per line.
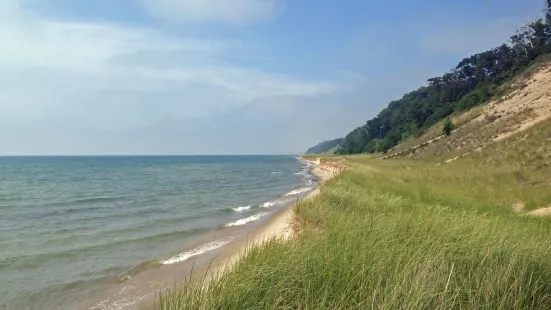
472, 82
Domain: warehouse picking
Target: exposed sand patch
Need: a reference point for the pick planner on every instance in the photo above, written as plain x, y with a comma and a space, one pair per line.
532, 96
541, 212
517, 207
527, 105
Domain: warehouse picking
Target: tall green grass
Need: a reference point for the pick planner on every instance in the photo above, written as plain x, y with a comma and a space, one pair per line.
404, 235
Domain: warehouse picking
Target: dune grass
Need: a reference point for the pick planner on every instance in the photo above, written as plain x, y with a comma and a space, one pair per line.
406, 234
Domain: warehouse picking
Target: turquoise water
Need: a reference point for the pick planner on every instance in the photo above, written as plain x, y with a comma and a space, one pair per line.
70, 226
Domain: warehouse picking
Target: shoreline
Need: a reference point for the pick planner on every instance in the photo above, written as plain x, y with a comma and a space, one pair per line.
277, 226
142, 290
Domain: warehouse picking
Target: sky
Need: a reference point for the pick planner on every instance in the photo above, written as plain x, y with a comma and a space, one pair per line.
109, 77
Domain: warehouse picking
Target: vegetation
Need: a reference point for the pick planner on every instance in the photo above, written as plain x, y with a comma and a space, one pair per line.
325, 147
448, 127
406, 234
472, 82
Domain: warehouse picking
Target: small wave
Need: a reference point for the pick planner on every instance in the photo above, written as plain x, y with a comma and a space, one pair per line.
268, 204
136, 269
197, 251
275, 172
83, 201
297, 191
298, 173
95, 199
242, 209
90, 205
246, 220
35, 260
124, 298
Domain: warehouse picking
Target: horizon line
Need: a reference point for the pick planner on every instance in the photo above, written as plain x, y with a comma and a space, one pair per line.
146, 155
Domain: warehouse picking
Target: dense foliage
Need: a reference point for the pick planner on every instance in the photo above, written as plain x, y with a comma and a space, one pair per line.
472, 82
325, 146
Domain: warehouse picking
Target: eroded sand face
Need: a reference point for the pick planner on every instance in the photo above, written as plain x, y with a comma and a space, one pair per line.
532, 96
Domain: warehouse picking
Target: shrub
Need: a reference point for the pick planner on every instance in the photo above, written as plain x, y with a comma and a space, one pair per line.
448, 127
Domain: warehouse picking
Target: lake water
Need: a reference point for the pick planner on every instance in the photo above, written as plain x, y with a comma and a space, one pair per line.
72, 226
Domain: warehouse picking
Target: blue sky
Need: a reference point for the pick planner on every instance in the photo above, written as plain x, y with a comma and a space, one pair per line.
223, 76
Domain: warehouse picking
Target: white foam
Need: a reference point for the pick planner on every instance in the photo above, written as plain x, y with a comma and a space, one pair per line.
197, 251
247, 220
242, 209
298, 173
298, 191
268, 204
275, 172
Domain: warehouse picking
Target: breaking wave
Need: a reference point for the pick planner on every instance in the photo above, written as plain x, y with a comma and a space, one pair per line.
242, 209
268, 204
298, 191
197, 251
247, 220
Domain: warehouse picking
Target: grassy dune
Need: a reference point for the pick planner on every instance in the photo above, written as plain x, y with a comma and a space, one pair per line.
407, 234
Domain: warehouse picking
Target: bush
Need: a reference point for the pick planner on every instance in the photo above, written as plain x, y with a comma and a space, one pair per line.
474, 98
448, 127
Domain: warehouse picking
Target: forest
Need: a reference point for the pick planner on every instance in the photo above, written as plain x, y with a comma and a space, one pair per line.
325, 146
474, 81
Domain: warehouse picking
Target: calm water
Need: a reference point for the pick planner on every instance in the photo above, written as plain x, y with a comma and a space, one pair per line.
70, 226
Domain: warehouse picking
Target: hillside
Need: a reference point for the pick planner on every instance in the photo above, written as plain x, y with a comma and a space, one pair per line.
407, 234
524, 103
474, 81
325, 147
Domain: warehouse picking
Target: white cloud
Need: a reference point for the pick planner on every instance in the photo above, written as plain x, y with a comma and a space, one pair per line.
228, 11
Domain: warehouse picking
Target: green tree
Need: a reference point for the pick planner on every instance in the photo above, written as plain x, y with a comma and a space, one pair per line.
371, 146
448, 127
379, 147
